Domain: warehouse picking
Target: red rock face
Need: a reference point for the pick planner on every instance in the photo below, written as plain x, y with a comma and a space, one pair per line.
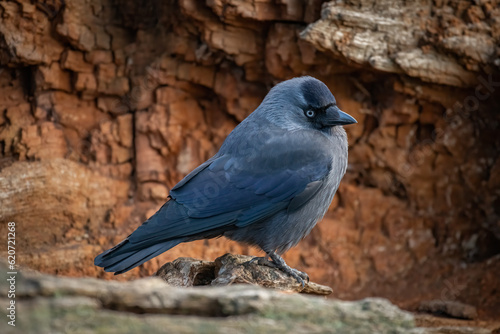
104, 106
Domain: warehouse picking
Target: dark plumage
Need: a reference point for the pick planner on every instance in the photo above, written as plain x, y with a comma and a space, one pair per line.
271, 181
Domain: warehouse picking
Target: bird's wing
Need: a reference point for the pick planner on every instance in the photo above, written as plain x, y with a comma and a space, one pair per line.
194, 172
244, 186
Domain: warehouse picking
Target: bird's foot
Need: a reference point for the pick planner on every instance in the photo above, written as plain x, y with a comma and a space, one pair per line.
263, 261
279, 263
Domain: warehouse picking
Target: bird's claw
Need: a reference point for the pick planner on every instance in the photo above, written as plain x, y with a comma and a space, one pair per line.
300, 276
281, 264
278, 263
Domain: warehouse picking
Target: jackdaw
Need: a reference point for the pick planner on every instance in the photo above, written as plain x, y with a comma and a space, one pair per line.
272, 180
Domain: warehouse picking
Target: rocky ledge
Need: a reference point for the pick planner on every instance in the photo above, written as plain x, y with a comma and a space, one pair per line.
51, 304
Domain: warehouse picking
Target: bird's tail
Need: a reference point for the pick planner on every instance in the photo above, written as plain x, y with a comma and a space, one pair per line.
145, 243
125, 256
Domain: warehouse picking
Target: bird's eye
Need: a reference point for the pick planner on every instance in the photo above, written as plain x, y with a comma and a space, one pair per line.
310, 113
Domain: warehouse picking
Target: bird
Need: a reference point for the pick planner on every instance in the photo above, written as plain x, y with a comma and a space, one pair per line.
271, 181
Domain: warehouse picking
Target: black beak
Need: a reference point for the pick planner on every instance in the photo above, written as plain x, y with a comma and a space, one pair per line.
335, 116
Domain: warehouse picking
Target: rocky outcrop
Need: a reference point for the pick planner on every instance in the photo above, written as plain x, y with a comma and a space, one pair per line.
49, 194
233, 269
443, 43
57, 304
105, 105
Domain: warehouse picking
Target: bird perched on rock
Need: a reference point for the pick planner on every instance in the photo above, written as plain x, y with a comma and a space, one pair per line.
271, 181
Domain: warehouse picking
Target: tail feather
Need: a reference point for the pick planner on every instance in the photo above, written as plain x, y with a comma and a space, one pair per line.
168, 227
120, 258
144, 243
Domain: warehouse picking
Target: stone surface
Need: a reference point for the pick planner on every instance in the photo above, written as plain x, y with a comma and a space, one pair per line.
233, 269
73, 199
114, 102
403, 37
449, 309
61, 302
53, 77
57, 304
442, 325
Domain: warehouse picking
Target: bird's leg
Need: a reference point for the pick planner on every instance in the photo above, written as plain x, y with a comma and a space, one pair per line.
281, 264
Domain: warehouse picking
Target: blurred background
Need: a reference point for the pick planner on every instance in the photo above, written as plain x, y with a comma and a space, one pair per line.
106, 104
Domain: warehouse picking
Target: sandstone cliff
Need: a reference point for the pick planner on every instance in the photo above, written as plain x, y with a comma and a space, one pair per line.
106, 104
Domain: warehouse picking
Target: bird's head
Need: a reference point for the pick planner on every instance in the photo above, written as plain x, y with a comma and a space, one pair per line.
303, 102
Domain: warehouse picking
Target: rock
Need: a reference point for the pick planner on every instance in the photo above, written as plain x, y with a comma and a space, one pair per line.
261, 10
453, 330
15, 119
61, 186
64, 303
43, 142
439, 325
29, 35
434, 67
448, 308
233, 269
74, 61
387, 38
53, 77
99, 57
86, 82
108, 82
92, 305
72, 27
72, 112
